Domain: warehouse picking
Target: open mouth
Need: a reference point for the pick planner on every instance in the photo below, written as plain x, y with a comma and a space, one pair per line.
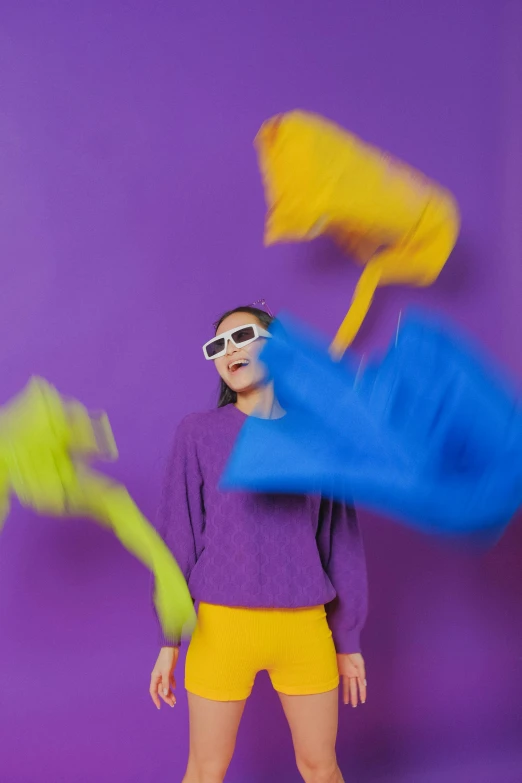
237, 365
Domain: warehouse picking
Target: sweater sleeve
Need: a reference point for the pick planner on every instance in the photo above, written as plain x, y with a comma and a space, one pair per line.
342, 554
180, 519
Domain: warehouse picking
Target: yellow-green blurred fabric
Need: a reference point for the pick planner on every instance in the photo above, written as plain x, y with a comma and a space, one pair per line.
46, 444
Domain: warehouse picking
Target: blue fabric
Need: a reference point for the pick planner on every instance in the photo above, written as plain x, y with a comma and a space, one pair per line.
430, 434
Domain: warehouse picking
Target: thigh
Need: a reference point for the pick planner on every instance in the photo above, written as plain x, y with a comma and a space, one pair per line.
213, 731
221, 662
306, 661
313, 722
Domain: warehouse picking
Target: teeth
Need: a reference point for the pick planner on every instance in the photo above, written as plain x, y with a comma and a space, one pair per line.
238, 363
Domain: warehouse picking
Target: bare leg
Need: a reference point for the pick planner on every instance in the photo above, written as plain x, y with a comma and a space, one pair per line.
313, 722
213, 732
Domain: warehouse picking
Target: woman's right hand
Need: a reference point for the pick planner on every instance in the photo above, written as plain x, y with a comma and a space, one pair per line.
162, 681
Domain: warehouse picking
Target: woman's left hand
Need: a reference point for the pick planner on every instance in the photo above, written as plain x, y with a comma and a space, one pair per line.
353, 678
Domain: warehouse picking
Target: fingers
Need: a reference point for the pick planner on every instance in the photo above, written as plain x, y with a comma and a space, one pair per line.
354, 690
155, 680
346, 689
362, 689
354, 696
361, 671
160, 688
164, 689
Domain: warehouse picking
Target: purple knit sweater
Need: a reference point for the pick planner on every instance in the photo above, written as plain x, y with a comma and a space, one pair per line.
270, 551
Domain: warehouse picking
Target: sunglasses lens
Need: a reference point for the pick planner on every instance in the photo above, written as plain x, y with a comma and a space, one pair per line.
215, 347
243, 335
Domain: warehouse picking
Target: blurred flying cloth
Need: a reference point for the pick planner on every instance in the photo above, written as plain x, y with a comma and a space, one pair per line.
430, 434
320, 179
46, 443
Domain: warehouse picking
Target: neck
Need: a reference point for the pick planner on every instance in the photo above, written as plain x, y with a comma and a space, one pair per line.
261, 400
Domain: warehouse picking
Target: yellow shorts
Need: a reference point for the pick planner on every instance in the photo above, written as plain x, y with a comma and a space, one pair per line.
232, 644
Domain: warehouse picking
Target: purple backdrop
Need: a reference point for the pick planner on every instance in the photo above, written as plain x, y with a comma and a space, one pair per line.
131, 214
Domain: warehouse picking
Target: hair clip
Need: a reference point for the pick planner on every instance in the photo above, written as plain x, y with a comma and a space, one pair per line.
264, 304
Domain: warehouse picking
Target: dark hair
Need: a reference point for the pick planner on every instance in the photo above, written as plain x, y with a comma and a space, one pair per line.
226, 395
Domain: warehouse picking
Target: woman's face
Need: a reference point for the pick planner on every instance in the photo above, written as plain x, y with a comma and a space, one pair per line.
239, 367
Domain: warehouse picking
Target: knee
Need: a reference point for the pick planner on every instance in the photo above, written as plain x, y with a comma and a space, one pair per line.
204, 772
204, 776
325, 771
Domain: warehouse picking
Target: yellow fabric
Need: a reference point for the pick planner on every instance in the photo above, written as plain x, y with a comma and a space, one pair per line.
232, 644
45, 445
320, 179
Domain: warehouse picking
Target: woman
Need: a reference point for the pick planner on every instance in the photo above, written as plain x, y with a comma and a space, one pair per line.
262, 569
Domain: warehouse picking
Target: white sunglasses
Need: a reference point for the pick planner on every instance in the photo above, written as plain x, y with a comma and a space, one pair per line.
240, 336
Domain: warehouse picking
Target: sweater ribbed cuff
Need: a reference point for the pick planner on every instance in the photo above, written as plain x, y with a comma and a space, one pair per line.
167, 641
347, 641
